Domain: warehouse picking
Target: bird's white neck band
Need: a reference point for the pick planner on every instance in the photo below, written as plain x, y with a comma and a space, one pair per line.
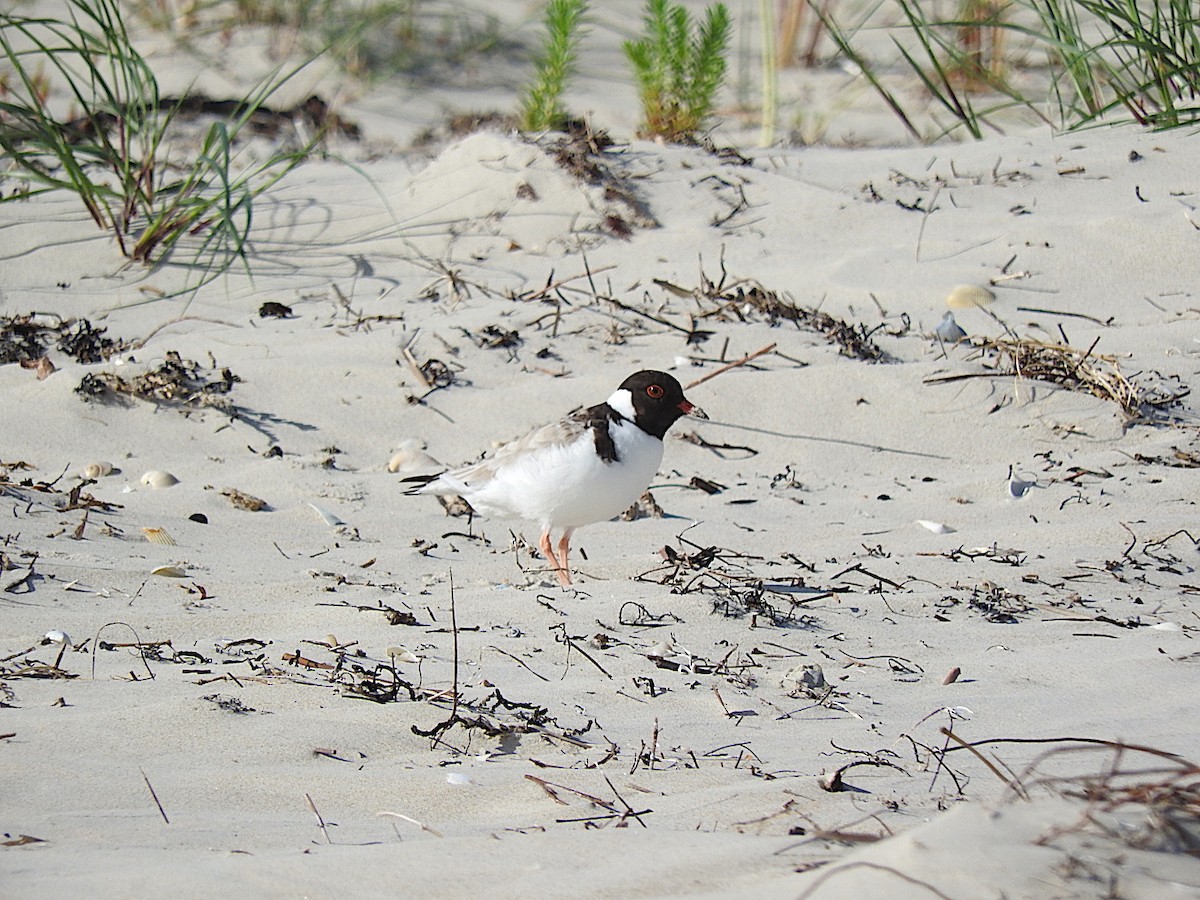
622, 402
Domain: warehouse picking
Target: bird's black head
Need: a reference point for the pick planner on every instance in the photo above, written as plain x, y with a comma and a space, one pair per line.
656, 400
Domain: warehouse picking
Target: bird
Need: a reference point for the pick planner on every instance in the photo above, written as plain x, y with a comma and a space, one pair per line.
589, 466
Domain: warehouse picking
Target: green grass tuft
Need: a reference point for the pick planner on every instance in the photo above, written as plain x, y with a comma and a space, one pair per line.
541, 104
679, 67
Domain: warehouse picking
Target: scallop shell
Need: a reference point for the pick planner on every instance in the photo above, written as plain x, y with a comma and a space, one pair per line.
158, 536
158, 479
97, 470
57, 637
170, 571
965, 296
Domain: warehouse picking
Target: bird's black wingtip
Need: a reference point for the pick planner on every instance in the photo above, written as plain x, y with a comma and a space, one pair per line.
419, 481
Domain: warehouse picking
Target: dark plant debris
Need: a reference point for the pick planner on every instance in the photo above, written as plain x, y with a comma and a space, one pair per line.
174, 382
26, 338
1142, 399
749, 301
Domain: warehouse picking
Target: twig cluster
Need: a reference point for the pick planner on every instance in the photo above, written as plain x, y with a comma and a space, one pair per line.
1082, 371
724, 576
748, 301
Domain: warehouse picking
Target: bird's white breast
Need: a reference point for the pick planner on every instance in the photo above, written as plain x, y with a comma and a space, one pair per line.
567, 485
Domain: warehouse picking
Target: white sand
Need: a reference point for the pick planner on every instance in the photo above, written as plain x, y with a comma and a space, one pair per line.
725, 765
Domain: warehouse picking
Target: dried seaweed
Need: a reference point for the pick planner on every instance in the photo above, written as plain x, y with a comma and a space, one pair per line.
25, 339
749, 301
1081, 371
174, 382
1154, 807
583, 151
726, 579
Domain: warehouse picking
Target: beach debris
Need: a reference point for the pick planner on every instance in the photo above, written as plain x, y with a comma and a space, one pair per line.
175, 381
645, 507
97, 470
1083, 371
25, 339
952, 676
326, 516
968, 296
228, 704
411, 458
242, 500
493, 337
402, 655
584, 152
169, 571
42, 366
805, 680
834, 783
748, 301
421, 825
198, 518
62, 640
997, 604
1018, 487
726, 578
158, 479
158, 536
935, 527
273, 310
949, 330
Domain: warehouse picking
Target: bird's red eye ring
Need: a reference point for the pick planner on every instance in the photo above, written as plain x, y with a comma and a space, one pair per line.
654, 391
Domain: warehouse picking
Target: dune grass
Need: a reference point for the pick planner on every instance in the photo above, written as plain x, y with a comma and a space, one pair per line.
113, 153
1097, 61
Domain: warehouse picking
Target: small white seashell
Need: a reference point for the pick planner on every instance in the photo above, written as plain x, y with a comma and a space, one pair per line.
458, 778
965, 296
97, 470
326, 516
158, 479
412, 458
57, 637
170, 571
935, 527
948, 330
400, 654
960, 712
662, 648
1018, 488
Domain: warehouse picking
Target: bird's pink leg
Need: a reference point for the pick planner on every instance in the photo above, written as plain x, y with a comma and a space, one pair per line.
564, 577
564, 546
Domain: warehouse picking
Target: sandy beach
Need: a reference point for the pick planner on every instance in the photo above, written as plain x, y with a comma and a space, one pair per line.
911, 616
